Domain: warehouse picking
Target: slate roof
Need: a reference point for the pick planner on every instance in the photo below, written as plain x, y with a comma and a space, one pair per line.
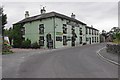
92, 28
48, 15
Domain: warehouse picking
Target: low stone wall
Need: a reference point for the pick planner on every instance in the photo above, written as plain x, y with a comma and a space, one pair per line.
113, 48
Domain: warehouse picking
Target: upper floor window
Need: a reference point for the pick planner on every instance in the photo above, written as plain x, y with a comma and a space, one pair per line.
64, 29
92, 32
23, 30
73, 30
95, 32
89, 31
86, 30
41, 29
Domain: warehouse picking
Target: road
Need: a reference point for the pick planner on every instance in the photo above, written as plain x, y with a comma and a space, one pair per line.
77, 62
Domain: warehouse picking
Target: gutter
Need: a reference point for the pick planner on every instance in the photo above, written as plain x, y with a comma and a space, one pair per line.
54, 31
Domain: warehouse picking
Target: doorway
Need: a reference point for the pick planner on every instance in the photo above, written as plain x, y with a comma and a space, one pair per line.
49, 41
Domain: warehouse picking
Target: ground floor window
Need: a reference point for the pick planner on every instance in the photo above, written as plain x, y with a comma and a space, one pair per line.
58, 38
80, 40
41, 40
92, 39
87, 39
97, 39
64, 40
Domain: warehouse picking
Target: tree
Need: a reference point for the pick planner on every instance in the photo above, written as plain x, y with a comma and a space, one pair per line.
104, 33
118, 37
3, 17
115, 29
4, 21
18, 36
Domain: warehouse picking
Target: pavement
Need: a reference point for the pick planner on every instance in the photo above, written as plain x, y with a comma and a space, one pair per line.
75, 62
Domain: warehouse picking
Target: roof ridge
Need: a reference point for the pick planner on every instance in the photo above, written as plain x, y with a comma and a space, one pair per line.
47, 15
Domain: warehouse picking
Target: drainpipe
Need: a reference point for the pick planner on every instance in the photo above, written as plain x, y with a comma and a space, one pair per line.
54, 30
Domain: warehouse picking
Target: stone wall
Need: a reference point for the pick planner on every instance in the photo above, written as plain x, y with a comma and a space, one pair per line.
113, 48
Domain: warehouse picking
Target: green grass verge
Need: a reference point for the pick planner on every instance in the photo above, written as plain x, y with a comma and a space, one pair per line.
116, 41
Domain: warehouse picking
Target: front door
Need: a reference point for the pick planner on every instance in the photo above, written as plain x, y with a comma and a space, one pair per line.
49, 41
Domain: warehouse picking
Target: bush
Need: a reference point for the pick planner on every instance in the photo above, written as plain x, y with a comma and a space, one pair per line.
35, 45
6, 48
26, 44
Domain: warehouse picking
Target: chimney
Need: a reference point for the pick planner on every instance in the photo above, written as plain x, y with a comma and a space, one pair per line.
92, 26
43, 10
73, 15
26, 14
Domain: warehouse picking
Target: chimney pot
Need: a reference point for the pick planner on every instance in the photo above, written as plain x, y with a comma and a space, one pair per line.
43, 10
73, 15
26, 14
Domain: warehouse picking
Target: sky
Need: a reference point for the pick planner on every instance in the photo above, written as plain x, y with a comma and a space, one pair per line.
102, 15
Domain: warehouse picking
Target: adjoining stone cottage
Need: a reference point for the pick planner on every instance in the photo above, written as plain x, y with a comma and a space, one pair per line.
64, 31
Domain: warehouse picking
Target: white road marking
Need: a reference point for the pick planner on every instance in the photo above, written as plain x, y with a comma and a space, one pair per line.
108, 60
